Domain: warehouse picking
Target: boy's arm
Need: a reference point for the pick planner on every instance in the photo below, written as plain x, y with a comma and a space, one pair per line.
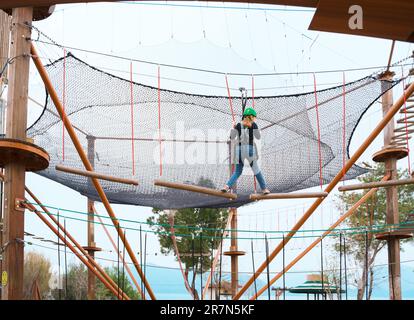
256, 131
233, 132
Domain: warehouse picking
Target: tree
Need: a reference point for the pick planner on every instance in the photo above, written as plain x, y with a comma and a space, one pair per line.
36, 268
77, 284
121, 279
368, 214
196, 234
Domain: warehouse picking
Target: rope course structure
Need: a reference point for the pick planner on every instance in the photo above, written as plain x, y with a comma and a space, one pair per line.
287, 122
170, 149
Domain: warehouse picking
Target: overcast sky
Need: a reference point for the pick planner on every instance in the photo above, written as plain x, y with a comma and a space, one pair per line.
233, 38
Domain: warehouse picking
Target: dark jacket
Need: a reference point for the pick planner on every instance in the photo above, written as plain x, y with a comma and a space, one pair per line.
237, 138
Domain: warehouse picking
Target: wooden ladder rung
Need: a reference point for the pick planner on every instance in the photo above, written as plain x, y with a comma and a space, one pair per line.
404, 130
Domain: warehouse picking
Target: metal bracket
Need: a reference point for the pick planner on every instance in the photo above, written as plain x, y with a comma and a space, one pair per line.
18, 204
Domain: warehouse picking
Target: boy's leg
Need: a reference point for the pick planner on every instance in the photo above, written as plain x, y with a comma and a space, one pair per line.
258, 174
236, 174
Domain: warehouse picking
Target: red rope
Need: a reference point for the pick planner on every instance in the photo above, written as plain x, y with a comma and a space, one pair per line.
230, 101
232, 115
406, 123
252, 92
319, 131
132, 121
254, 177
343, 129
159, 118
63, 103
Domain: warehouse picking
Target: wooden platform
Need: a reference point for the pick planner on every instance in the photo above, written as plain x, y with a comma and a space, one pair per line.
396, 234
390, 153
96, 249
302, 195
192, 188
30, 155
39, 13
234, 253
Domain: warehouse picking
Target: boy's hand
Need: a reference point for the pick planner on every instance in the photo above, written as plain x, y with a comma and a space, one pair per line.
247, 123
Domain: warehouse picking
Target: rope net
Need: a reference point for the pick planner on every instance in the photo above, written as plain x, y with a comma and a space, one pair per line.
187, 136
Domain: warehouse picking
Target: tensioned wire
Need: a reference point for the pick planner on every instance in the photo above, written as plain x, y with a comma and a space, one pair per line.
54, 43
245, 272
202, 228
333, 233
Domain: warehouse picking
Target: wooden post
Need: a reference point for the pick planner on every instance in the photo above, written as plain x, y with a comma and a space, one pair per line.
13, 234
234, 257
394, 269
91, 218
4, 52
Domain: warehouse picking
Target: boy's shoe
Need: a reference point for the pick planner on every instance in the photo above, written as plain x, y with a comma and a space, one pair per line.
226, 188
265, 191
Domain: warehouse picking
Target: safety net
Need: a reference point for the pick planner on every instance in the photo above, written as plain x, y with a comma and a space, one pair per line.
136, 131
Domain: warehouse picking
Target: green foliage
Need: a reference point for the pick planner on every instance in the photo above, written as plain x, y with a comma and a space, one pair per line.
122, 280
197, 239
194, 244
77, 284
372, 212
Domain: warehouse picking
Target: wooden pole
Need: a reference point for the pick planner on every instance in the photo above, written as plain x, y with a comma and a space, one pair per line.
106, 280
381, 125
77, 245
379, 184
92, 174
192, 188
13, 234
4, 53
71, 131
234, 257
296, 195
350, 212
392, 215
91, 220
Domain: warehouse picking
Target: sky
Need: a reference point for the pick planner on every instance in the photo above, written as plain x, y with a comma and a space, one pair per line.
230, 38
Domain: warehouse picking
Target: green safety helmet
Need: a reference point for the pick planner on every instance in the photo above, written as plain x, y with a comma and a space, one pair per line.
249, 112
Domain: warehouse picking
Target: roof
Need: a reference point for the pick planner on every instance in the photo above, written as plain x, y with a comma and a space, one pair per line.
381, 18
315, 286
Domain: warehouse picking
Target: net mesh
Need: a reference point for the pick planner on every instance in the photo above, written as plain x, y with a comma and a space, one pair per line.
194, 131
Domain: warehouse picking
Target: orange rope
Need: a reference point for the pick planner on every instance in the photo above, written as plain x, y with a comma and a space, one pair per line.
63, 103
159, 118
132, 121
319, 131
119, 254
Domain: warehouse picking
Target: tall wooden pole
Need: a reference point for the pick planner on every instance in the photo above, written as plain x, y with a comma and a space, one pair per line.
4, 53
234, 257
392, 215
91, 220
13, 234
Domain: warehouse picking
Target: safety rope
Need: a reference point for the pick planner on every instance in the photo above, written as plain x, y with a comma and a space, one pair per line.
319, 131
132, 120
63, 103
159, 118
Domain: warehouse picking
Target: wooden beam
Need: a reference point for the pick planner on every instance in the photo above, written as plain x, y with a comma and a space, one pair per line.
379, 184
367, 142
92, 174
6, 4
192, 188
350, 212
301, 195
15, 172
78, 146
